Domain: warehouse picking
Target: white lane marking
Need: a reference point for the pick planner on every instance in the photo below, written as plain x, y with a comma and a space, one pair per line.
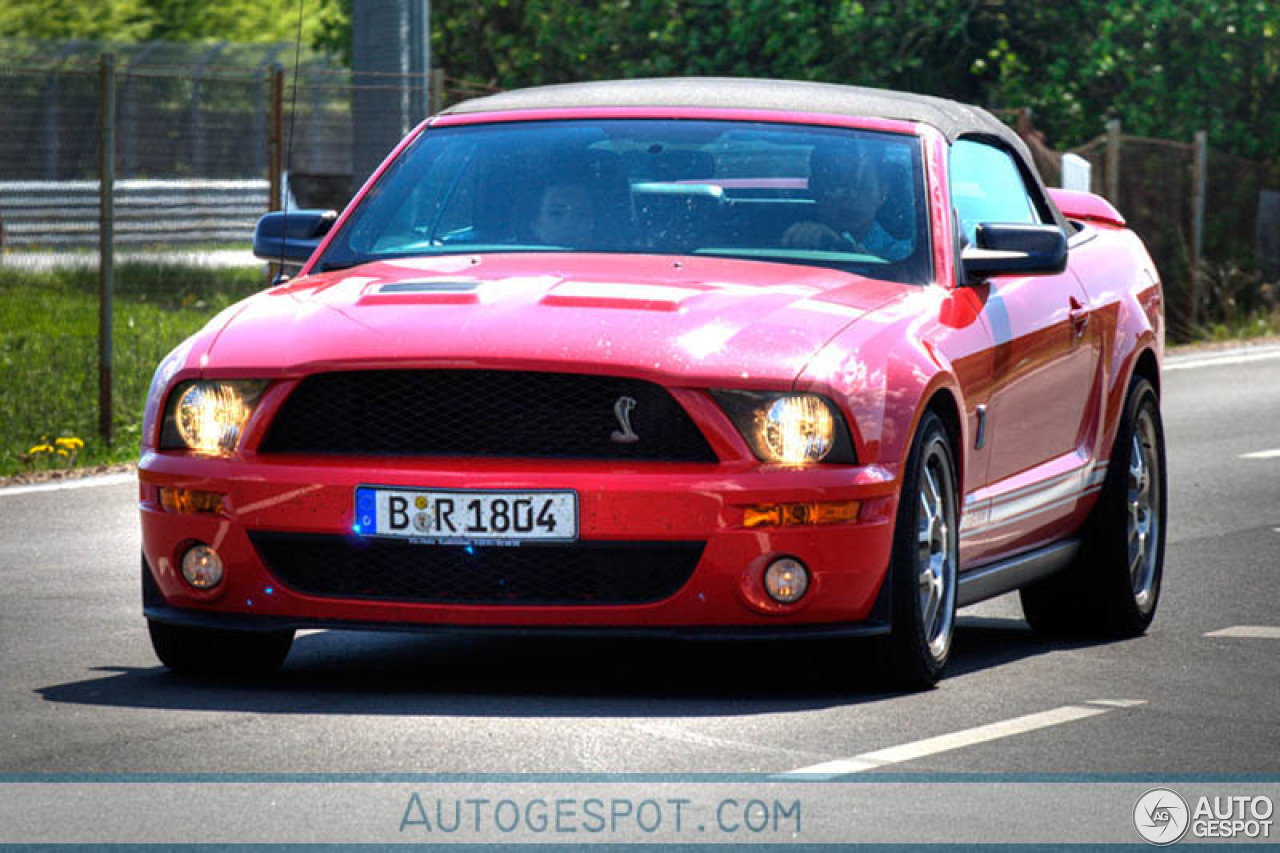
1248, 632
79, 483
1236, 356
684, 736
961, 739
1262, 454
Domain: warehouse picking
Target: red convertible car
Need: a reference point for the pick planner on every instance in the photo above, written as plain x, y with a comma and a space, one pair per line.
704, 358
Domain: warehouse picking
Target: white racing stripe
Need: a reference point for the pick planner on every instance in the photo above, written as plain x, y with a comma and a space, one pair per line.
1262, 454
1248, 632
78, 483
1020, 504
959, 740
1223, 359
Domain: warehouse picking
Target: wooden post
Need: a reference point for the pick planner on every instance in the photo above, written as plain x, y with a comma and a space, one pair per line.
275, 138
1199, 185
275, 152
1113, 161
437, 91
106, 236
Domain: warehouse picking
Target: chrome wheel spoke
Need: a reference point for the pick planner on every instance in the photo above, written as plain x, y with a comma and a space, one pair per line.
935, 570
1143, 500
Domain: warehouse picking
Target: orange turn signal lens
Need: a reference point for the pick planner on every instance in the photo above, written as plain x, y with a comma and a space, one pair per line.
187, 501
791, 515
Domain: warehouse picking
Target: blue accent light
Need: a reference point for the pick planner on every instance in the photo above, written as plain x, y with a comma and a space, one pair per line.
248, 602
366, 512
470, 549
271, 590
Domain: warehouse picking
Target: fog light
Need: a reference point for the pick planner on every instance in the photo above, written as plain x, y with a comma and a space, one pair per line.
786, 580
202, 567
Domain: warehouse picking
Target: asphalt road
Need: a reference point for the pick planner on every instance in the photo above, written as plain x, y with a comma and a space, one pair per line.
80, 690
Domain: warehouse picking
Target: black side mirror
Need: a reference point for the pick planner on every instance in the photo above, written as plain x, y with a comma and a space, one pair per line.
1014, 250
291, 237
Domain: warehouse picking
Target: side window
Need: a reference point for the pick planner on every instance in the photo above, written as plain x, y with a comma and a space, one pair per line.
986, 186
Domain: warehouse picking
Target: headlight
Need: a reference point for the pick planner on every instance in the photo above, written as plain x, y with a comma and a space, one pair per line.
794, 429
208, 417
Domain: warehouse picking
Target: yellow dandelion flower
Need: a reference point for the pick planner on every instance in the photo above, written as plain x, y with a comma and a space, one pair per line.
41, 448
62, 452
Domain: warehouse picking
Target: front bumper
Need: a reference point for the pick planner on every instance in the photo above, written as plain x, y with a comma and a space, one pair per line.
652, 503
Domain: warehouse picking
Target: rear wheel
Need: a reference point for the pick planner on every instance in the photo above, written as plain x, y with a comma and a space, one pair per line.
1114, 586
209, 651
925, 558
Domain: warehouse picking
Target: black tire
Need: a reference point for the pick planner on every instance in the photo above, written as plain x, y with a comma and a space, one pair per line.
925, 561
208, 651
1102, 594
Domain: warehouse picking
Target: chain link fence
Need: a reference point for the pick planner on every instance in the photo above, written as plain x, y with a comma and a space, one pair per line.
203, 135
1228, 271
198, 132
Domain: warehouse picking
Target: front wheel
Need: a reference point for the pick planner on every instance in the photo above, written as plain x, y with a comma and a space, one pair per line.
209, 651
925, 559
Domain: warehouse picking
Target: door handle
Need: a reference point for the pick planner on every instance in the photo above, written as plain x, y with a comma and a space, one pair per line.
1079, 315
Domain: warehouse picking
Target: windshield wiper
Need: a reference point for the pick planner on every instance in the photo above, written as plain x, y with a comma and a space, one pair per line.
331, 266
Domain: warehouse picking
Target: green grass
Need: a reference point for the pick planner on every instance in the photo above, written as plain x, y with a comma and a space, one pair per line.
49, 352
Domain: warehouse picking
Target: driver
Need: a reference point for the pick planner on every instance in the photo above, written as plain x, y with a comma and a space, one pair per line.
849, 190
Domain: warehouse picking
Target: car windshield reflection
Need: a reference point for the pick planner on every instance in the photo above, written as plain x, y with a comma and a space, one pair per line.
847, 199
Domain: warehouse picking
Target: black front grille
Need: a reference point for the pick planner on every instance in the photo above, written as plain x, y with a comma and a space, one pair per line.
391, 570
483, 413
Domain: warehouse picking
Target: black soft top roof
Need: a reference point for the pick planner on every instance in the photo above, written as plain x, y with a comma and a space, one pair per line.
951, 118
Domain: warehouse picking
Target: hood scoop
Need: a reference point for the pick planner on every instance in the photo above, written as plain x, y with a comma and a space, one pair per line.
428, 286
421, 291
599, 294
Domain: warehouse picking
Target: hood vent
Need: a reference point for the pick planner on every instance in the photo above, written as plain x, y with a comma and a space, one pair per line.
428, 286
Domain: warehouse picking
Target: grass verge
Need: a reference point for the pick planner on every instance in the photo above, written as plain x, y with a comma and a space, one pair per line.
49, 353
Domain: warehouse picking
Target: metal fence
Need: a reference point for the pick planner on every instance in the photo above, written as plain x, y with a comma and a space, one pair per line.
1205, 217
204, 134
206, 139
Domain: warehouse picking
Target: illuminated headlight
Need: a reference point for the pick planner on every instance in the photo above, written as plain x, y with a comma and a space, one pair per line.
794, 429
209, 417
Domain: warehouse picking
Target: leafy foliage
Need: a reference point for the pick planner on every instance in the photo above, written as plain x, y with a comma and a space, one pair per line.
1163, 67
174, 20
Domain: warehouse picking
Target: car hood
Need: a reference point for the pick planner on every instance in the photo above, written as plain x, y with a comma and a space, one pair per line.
686, 320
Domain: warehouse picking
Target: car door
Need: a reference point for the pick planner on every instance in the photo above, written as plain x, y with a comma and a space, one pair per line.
1044, 367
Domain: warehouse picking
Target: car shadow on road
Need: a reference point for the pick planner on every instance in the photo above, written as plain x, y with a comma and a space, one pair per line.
341, 672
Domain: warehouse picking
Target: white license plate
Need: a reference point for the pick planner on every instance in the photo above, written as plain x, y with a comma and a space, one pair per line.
466, 516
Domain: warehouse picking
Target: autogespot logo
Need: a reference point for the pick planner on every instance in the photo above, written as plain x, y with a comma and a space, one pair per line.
1161, 816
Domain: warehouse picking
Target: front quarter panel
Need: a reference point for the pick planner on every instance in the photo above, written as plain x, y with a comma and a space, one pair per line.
888, 366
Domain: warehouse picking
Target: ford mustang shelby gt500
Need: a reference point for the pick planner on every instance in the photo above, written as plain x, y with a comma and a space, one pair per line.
708, 358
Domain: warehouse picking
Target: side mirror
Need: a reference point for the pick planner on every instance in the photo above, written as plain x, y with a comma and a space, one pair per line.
1014, 250
291, 237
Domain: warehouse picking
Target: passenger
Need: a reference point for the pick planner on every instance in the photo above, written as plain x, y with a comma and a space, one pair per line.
849, 190
565, 216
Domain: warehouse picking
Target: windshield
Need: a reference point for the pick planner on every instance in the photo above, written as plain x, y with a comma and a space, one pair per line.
846, 199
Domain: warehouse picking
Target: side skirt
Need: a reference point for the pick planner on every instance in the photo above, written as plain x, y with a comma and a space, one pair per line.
1007, 575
